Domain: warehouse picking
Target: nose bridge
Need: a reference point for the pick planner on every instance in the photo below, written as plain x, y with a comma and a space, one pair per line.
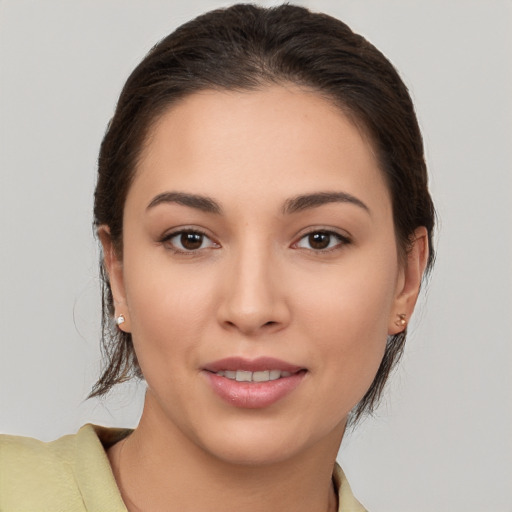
253, 297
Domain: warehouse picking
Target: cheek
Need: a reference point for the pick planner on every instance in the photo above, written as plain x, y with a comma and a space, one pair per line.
348, 319
169, 311
357, 295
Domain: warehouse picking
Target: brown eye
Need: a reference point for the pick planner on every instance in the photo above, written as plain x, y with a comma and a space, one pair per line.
322, 241
319, 240
191, 241
188, 241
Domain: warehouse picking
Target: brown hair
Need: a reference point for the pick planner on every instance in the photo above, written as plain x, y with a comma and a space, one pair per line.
246, 47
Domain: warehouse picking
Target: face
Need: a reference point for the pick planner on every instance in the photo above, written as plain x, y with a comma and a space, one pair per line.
260, 275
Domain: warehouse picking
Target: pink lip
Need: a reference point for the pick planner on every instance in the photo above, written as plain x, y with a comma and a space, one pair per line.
253, 395
251, 365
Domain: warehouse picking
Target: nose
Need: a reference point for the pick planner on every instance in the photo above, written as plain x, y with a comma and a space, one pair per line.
254, 297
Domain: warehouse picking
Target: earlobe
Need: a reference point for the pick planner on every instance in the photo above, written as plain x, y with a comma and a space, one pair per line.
114, 268
410, 281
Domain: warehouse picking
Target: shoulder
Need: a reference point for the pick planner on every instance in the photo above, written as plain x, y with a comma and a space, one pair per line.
33, 473
67, 474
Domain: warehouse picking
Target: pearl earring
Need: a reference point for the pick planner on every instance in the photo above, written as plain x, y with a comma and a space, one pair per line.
401, 322
120, 319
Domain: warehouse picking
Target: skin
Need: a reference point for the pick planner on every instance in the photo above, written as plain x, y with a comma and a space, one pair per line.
255, 286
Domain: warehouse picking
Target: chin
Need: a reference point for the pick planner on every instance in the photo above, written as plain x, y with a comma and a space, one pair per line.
268, 443
254, 453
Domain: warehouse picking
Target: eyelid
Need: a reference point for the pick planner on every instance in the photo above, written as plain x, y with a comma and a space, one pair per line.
169, 235
343, 238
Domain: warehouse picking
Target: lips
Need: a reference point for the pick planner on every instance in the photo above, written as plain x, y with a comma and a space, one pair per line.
251, 365
253, 384
259, 376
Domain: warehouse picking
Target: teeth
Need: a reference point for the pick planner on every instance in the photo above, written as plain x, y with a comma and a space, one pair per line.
243, 376
274, 374
260, 376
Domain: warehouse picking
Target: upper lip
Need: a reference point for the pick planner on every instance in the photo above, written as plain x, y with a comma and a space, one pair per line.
251, 365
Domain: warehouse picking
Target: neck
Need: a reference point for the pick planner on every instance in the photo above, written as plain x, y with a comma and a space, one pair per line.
158, 469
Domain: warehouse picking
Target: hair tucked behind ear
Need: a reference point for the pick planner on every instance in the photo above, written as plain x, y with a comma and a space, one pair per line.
246, 47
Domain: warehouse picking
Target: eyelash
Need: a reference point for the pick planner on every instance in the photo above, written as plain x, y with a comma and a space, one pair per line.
342, 240
167, 240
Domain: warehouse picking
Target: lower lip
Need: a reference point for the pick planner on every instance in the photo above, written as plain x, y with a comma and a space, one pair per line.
253, 395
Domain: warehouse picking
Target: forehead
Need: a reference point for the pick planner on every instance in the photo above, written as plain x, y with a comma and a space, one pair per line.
281, 139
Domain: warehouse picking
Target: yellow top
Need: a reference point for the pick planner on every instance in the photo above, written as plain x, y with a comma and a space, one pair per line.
73, 474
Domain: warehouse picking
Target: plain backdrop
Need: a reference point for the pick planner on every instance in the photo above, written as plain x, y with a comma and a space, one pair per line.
441, 441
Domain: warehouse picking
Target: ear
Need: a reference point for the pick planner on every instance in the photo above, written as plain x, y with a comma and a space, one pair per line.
409, 281
114, 267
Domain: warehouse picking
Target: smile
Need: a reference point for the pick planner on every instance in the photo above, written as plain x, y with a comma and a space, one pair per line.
247, 376
253, 383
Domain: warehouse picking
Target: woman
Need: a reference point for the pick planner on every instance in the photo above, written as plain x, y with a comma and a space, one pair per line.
263, 210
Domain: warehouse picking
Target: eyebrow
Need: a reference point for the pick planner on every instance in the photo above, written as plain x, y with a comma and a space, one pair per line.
303, 202
203, 203
293, 205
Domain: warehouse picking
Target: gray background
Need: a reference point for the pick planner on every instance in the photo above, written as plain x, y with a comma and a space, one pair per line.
441, 441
